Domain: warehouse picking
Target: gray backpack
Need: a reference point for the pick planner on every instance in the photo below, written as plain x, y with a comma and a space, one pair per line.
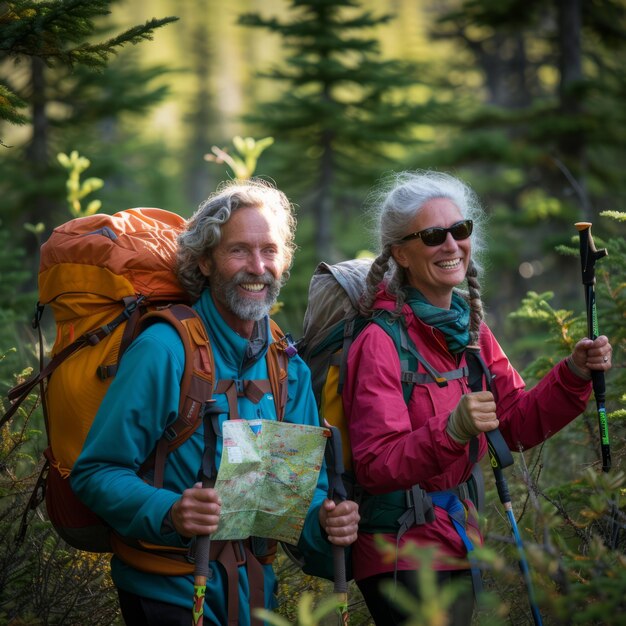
331, 320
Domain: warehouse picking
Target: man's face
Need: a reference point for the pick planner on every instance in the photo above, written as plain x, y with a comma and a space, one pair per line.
245, 269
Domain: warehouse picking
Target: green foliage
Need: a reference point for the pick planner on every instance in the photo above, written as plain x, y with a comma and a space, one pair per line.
244, 164
10, 104
298, 593
43, 582
307, 613
77, 191
431, 609
573, 516
16, 307
79, 91
58, 32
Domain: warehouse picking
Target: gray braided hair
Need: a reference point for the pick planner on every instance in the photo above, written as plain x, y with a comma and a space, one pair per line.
394, 204
204, 229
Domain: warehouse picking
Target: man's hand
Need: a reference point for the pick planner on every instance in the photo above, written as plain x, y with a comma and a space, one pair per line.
197, 512
474, 414
340, 521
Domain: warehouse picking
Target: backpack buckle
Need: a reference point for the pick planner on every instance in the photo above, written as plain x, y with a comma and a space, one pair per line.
421, 503
239, 550
170, 433
288, 345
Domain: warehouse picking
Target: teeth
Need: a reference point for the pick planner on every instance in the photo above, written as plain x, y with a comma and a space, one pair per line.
448, 265
253, 286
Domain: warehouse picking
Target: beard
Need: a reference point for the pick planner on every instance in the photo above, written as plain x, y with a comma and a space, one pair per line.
227, 292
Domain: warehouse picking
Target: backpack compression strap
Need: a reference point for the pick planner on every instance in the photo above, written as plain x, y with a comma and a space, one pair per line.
278, 354
19, 393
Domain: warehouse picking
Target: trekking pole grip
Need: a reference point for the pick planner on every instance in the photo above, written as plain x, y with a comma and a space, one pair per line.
339, 570
337, 493
589, 254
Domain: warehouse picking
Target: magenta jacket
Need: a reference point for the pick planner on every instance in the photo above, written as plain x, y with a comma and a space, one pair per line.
395, 446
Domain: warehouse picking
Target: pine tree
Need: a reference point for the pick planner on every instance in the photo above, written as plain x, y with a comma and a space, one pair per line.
544, 141
57, 81
340, 110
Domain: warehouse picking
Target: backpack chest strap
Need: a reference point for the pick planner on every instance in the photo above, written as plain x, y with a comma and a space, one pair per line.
235, 388
419, 378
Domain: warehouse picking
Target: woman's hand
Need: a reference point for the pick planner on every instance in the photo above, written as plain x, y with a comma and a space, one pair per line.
475, 413
197, 511
340, 521
590, 355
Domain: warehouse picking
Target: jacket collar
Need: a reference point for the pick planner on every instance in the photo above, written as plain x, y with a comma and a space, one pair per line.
237, 351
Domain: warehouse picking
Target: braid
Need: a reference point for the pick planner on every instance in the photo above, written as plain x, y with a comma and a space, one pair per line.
396, 287
374, 277
475, 302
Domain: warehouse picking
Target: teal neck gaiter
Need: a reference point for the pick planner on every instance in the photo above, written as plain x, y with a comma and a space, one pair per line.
452, 322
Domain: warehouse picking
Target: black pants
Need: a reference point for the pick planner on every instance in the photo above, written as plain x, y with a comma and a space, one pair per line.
140, 611
385, 613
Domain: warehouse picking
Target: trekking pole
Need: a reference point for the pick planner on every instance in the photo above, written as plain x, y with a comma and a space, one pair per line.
337, 492
500, 457
496, 446
588, 257
207, 474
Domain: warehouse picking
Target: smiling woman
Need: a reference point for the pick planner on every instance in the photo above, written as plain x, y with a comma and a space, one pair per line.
414, 454
435, 268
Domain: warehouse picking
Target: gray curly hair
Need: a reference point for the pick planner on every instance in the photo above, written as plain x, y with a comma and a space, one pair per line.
394, 204
204, 229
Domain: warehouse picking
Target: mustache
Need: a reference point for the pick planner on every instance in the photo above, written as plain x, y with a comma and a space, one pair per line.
243, 277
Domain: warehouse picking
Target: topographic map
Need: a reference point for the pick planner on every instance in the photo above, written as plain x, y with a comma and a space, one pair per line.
267, 477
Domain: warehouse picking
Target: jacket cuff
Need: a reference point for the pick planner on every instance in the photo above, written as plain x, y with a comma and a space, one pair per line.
576, 370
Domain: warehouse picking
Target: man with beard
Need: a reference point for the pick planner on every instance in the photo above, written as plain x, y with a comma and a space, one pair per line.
232, 258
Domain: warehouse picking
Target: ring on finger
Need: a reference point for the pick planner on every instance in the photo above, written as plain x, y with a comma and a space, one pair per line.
606, 359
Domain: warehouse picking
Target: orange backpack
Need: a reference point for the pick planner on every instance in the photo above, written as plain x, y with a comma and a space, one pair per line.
106, 277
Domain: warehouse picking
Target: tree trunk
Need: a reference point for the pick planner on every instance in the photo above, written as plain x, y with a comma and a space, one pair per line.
40, 207
324, 201
572, 145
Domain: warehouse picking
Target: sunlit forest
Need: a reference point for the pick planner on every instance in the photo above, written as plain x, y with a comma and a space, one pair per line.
153, 104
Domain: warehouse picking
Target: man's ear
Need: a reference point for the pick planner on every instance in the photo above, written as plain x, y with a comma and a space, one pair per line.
204, 265
399, 255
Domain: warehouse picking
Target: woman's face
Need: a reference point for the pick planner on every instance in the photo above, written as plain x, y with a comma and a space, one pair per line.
434, 270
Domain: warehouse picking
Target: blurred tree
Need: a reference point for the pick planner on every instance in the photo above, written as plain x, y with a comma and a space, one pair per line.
49, 46
202, 126
544, 142
341, 111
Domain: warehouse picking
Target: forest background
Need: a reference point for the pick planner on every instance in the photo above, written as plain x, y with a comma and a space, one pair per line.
524, 100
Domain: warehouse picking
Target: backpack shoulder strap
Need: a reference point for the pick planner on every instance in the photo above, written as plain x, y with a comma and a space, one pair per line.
479, 377
278, 354
479, 374
197, 382
408, 352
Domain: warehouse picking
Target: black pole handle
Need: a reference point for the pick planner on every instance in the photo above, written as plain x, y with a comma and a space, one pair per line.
337, 492
589, 254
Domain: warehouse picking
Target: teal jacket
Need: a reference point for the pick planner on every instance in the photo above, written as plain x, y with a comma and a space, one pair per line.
140, 403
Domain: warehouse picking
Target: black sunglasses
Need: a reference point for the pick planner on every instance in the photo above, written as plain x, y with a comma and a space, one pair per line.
437, 235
